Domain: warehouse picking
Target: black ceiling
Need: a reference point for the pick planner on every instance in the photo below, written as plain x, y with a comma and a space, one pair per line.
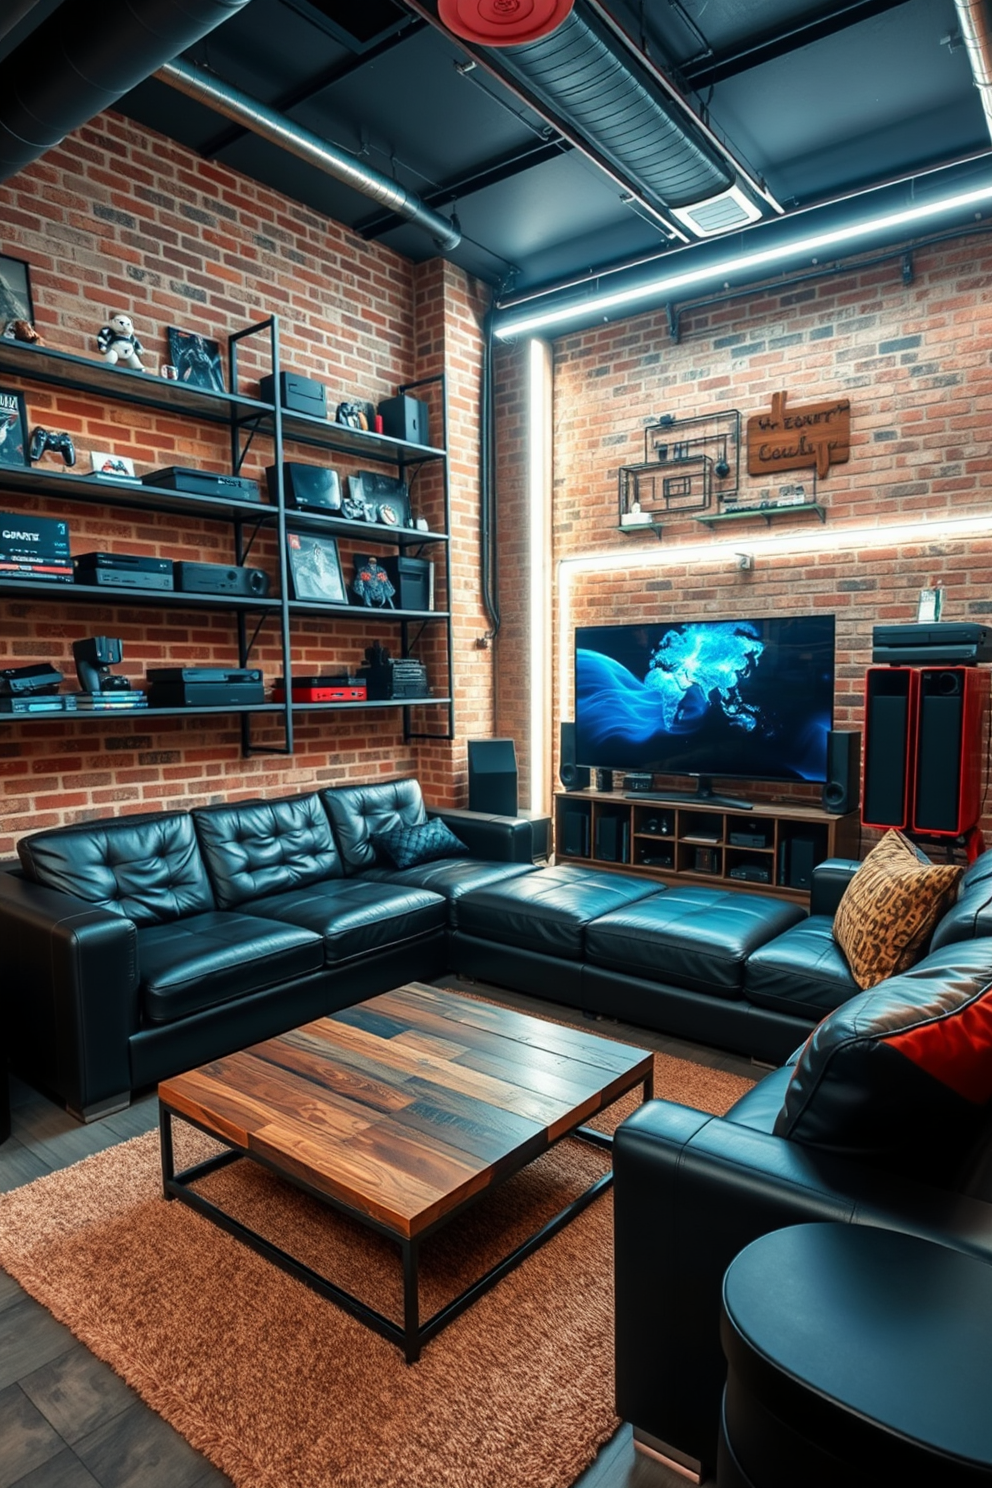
816, 100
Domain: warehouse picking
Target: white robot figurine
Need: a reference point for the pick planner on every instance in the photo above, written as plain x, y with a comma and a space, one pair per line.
118, 342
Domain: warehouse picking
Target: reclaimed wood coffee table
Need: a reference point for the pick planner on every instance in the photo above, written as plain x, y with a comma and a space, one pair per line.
401, 1112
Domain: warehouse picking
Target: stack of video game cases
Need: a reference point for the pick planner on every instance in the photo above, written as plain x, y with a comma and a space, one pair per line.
111, 702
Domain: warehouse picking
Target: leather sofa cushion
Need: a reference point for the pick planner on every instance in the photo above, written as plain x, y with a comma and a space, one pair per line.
354, 916
147, 869
890, 908
697, 938
901, 1075
358, 811
452, 877
803, 972
758, 1107
210, 958
548, 911
252, 848
971, 914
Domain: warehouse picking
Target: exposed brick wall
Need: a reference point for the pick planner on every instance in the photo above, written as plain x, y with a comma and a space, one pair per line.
118, 217
913, 359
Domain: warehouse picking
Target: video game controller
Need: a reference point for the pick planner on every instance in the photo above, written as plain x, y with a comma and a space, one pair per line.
59, 443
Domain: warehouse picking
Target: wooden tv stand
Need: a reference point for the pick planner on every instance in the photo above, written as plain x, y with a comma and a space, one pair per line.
693, 842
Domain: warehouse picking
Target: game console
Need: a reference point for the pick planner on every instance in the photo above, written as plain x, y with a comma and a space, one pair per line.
25, 681
203, 483
52, 702
123, 571
205, 694
744, 838
297, 394
750, 873
158, 676
940, 643
218, 578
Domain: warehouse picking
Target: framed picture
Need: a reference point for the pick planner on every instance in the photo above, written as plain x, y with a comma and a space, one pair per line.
196, 359
111, 466
315, 568
15, 291
13, 429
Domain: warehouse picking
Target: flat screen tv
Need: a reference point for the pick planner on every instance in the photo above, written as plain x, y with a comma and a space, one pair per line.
748, 699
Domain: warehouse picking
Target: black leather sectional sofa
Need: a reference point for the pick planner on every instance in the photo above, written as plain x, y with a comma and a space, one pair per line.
883, 1118
137, 947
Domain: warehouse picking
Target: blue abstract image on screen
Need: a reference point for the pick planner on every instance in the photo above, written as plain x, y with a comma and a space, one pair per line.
746, 698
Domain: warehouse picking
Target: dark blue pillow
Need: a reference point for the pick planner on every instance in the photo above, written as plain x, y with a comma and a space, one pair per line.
405, 847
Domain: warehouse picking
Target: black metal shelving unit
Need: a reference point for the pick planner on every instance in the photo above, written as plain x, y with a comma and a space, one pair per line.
247, 419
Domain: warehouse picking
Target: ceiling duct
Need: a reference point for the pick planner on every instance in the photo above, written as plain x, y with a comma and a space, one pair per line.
242, 109
581, 77
974, 22
85, 57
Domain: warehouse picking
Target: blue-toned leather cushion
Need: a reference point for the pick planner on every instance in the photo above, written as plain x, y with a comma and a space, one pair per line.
405, 847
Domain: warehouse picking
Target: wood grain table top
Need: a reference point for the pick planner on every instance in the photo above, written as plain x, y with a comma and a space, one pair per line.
406, 1106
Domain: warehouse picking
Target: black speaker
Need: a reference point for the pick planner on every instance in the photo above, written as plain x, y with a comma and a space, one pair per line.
405, 418
802, 855
572, 776
950, 758
492, 776
612, 838
604, 780
576, 843
890, 738
842, 789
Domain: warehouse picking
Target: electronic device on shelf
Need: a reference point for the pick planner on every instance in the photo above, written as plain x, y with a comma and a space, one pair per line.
48, 702
94, 656
338, 687
205, 687
750, 873
744, 838
388, 678
750, 699
219, 578
123, 571
942, 643
33, 547
298, 394
307, 487
29, 680
203, 483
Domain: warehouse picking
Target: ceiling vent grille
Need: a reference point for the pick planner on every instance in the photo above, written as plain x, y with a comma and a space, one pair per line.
721, 214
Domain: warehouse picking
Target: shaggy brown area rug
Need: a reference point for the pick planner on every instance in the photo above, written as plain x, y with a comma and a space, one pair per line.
278, 1387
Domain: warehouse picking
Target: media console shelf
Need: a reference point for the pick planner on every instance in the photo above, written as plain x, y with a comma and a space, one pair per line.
771, 848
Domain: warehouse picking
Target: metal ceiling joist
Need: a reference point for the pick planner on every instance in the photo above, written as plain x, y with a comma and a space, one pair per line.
709, 68
312, 86
492, 173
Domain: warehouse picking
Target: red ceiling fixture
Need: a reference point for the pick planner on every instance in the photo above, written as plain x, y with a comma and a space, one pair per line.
502, 22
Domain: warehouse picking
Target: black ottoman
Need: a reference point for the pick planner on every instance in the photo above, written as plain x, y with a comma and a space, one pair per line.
856, 1356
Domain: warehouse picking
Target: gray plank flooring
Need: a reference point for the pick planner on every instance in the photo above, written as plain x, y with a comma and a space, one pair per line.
68, 1421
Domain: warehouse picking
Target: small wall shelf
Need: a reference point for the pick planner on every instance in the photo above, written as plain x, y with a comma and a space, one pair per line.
768, 511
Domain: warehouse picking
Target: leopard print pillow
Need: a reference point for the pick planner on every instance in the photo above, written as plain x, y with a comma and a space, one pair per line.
890, 908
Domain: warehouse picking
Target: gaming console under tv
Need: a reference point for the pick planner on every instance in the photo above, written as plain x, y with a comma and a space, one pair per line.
739, 698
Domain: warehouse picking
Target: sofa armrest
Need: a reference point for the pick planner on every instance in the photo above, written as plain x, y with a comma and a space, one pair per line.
830, 879
691, 1191
70, 994
498, 839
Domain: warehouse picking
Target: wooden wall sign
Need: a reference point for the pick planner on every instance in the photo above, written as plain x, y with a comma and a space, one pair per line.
793, 439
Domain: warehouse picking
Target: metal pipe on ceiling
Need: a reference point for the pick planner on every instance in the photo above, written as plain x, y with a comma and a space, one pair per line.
242, 109
83, 58
975, 32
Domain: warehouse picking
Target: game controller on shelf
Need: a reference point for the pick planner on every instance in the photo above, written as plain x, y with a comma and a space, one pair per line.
57, 441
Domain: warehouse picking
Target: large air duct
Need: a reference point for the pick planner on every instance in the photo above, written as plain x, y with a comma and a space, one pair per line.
85, 57
242, 109
974, 22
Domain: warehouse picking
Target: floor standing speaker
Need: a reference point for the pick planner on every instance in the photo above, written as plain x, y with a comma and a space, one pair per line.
572, 776
890, 745
951, 710
576, 843
842, 788
492, 776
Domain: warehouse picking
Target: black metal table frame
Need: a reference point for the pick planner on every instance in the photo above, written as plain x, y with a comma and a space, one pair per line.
413, 1334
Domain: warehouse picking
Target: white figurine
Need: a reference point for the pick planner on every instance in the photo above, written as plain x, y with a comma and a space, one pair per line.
118, 342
